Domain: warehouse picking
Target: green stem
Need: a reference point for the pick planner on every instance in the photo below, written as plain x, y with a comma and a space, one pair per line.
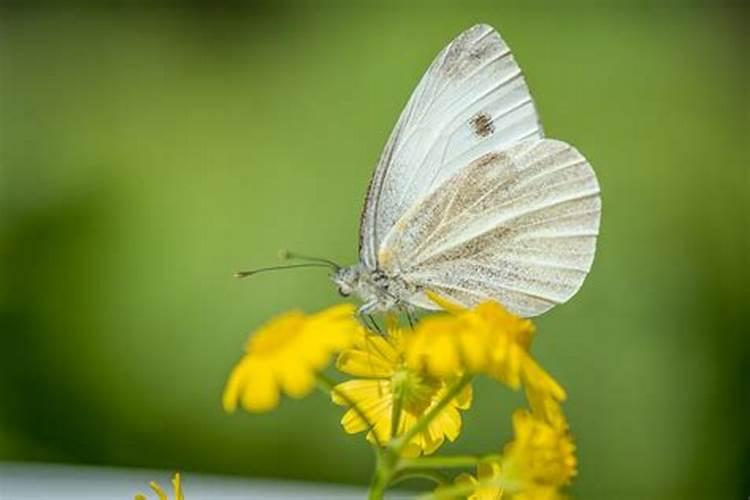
396, 410
397, 444
384, 471
378, 485
446, 462
329, 386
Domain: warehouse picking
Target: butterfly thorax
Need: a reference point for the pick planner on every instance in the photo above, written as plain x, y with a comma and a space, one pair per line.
378, 291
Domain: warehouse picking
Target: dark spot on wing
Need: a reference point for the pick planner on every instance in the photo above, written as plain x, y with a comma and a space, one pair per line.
482, 124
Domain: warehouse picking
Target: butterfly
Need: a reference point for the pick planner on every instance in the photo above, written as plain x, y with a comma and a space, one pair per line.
469, 200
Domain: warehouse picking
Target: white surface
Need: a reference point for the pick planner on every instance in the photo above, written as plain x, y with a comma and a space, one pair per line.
56, 482
468, 200
475, 75
518, 226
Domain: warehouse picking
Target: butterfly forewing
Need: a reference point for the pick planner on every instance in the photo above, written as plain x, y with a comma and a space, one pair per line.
518, 226
473, 99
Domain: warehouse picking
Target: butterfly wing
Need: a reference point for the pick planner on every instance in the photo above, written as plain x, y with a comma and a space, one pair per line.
518, 226
473, 99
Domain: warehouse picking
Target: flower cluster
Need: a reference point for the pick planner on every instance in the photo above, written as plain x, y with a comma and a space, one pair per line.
486, 340
408, 387
534, 466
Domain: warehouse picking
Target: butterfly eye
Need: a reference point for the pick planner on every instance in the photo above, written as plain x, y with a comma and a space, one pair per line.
343, 292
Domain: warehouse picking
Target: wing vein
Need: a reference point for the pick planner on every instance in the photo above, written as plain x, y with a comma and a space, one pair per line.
421, 257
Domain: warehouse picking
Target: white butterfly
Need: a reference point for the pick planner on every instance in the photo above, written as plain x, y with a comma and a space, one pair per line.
469, 199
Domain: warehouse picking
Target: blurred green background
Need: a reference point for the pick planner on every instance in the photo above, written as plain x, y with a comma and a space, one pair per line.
147, 152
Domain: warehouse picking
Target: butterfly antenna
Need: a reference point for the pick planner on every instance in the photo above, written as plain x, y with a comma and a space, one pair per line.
245, 274
287, 255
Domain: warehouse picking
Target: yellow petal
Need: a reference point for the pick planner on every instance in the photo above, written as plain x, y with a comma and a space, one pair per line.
446, 304
353, 423
464, 398
444, 360
535, 375
381, 417
297, 381
339, 312
432, 439
373, 399
448, 423
473, 354
157, 489
261, 392
233, 388
177, 485
358, 390
411, 450
360, 363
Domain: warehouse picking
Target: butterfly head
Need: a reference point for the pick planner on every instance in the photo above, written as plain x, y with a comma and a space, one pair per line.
377, 290
347, 279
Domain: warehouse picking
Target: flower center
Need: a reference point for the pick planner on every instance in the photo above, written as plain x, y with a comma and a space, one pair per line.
416, 391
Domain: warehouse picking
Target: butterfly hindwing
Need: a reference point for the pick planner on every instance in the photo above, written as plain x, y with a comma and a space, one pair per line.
518, 226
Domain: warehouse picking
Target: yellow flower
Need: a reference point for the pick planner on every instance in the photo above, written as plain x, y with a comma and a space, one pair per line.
487, 339
486, 473
540, 457
385, 379
286, 354
178, 495
534, 466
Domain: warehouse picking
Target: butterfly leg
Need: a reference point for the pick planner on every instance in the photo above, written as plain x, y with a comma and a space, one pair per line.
370, 323
375, 324
366, 317
410, 318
